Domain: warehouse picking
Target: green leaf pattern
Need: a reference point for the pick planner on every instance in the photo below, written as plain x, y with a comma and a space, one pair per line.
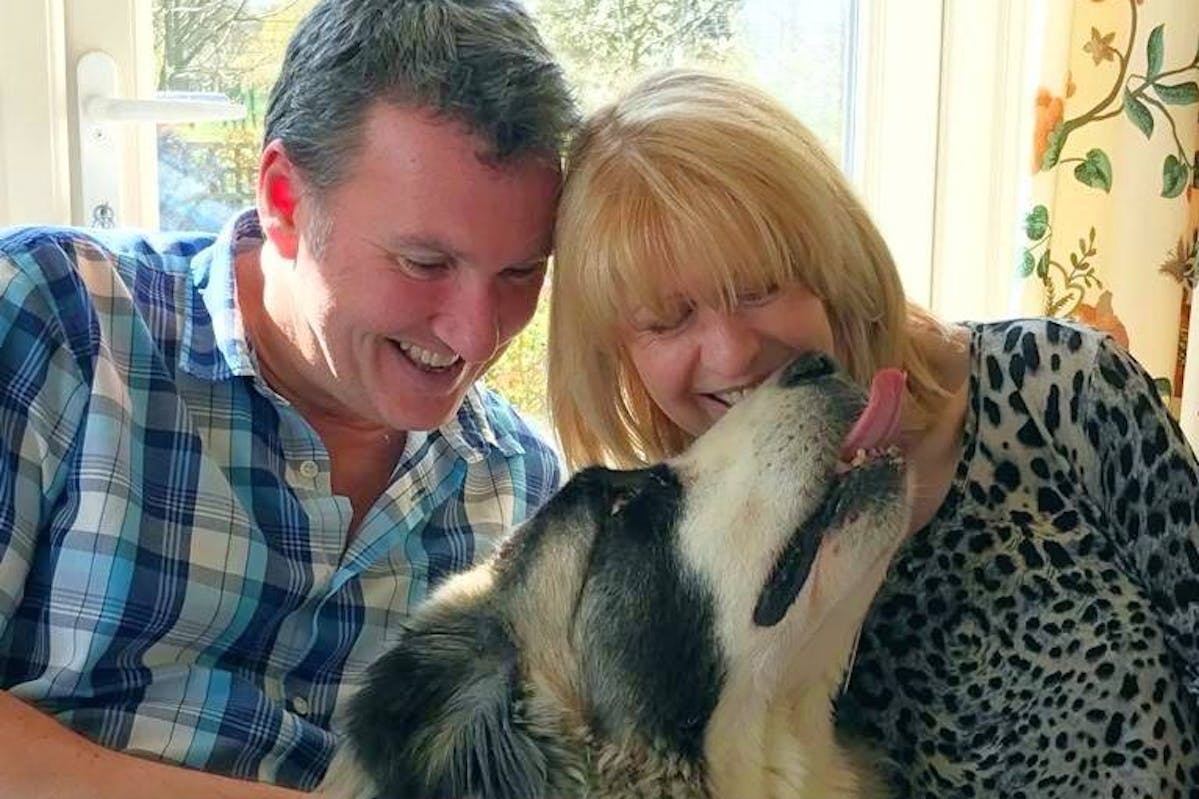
1166, 94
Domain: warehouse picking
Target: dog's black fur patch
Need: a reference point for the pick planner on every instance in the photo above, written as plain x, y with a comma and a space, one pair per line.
636, 574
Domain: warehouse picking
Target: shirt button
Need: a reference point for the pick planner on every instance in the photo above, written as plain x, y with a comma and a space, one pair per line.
299, 704
309, 469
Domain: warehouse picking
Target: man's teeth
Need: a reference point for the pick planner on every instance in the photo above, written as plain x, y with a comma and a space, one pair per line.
427, 357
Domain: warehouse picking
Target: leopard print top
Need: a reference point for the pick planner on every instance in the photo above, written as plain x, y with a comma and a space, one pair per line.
1040, 636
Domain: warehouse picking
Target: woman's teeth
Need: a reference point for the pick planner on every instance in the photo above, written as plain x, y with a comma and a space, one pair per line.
734, 396
427, 358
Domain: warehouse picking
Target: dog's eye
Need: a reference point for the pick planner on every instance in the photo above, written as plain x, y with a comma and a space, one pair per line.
622, 498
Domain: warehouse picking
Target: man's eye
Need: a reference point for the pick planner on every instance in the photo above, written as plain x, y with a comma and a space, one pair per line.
423, 269
525, 274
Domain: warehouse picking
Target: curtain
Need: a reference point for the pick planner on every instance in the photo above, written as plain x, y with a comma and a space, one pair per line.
1113, 209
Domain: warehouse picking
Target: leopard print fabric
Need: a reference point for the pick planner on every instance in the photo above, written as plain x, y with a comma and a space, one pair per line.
1038, 638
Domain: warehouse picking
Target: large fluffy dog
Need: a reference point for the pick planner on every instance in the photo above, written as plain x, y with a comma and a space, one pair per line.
671, 632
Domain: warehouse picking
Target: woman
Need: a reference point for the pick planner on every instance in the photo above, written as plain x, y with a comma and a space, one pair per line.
1037, 633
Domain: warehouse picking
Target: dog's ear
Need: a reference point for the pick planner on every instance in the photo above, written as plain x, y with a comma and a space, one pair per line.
437, 715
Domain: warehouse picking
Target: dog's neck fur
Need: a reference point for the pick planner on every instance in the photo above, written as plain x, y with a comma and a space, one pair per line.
772, 735
782, 748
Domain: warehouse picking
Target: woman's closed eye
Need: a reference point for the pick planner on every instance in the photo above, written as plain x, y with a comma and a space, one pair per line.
756, 296
665, 322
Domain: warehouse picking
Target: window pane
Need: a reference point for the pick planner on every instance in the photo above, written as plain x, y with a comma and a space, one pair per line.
208, 171
798, 50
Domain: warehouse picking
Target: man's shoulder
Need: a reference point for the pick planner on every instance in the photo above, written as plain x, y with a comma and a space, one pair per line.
46, 251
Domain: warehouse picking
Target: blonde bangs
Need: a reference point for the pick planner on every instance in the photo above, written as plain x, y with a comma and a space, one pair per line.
654, 235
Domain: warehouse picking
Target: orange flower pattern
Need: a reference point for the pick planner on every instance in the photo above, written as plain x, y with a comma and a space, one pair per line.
1102, 316
1048, 116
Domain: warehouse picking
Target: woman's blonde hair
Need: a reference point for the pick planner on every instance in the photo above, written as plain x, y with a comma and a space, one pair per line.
697, 180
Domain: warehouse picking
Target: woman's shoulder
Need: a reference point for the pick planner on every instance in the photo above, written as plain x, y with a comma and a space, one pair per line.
1030, 355
1030, 337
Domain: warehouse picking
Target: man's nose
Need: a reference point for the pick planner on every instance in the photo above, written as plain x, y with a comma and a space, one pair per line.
470, 321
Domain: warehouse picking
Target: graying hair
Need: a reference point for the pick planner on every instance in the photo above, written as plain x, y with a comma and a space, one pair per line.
478, 62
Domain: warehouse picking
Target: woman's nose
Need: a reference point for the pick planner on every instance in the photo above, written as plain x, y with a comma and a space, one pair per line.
730, 343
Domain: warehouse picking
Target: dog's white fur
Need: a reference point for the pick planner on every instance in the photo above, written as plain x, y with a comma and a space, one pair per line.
748, 485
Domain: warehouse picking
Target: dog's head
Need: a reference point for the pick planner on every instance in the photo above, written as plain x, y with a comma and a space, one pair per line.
637, 612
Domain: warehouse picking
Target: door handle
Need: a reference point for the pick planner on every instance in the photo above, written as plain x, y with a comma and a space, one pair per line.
100, 110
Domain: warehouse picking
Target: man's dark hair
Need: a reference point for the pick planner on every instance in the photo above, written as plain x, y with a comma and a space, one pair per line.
477, 62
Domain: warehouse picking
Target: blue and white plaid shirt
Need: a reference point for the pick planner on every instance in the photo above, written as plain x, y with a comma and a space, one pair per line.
174, 576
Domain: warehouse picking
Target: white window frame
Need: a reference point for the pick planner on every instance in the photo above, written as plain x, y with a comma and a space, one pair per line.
39, 123
990, 62
939, 157
894, 139
34, 143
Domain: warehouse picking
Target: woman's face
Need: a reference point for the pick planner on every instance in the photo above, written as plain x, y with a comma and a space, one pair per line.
696, 361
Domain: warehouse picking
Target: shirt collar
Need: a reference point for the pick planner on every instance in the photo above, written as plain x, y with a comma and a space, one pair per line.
214, 344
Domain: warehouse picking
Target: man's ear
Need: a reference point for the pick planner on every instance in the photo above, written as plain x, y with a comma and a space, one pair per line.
278, 199
436, 717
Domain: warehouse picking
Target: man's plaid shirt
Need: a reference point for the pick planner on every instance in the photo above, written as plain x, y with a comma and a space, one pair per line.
174, 577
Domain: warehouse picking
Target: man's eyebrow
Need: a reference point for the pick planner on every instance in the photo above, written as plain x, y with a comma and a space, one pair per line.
437, 247
425, 244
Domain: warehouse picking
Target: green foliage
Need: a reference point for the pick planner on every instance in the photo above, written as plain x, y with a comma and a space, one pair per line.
1053, 148
1179, 93
1095, 170
1064, 288
604, 43
519, 375
1027, 264
1176, 175
1153, 50
1043, 265
1036, 223
1138, 112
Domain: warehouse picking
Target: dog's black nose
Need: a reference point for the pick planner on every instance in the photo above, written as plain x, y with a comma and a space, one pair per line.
809, 366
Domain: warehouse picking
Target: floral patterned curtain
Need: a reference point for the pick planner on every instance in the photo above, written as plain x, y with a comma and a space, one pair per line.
1114, 195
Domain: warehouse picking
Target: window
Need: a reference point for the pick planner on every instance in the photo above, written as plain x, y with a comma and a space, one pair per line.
883, 82
208, 171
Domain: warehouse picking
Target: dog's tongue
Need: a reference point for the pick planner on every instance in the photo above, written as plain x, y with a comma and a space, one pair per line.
879, 423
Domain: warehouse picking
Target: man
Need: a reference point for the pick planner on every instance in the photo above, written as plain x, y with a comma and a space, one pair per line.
229, 466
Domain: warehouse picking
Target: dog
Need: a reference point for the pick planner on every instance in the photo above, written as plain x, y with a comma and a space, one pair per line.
677, 631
